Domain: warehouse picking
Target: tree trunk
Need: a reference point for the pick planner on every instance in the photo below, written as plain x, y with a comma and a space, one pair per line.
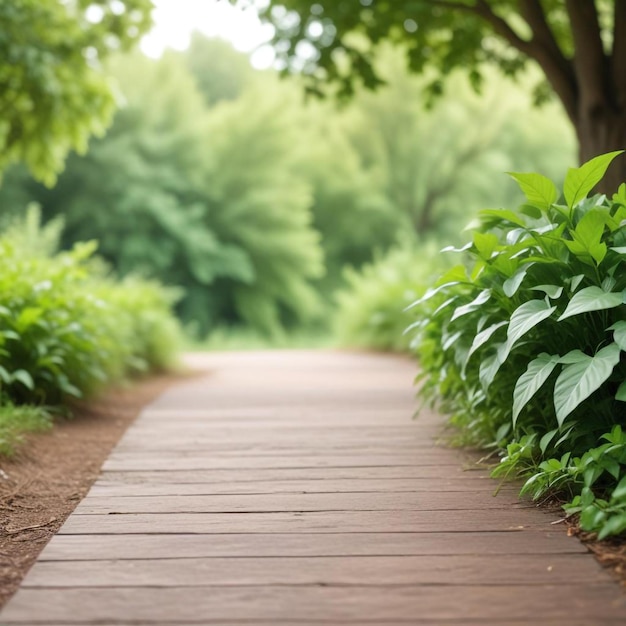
599, 132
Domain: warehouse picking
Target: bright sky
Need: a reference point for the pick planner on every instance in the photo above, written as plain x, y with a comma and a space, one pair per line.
175, 20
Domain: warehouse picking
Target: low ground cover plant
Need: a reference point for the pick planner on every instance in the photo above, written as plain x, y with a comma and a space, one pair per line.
524, 342
68, 328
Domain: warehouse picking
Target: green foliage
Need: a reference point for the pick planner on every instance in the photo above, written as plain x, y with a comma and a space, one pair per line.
66, 327
371, 308
525, 345
437, 167
207, 199
260, 205
333, 43
53, 95
202, 183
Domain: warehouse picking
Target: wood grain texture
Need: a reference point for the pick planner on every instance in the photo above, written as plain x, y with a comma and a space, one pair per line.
295, 488
453, 570
155, 546
319, 522
331, 604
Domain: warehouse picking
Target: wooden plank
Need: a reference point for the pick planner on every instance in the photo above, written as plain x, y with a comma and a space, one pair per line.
326, 522
596, 603
396, 622
277, 502
154, 546
107, 487
173, 461
193, 439
160, 448
351, 570
238, 474
291, 410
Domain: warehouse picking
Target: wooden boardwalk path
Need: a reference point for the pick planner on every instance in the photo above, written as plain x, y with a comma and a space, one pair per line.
294, 488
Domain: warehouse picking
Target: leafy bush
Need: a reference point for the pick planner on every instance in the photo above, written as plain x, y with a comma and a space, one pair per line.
67, 328
371, 308
526, 346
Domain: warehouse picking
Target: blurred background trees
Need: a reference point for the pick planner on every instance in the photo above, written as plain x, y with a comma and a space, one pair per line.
227, 182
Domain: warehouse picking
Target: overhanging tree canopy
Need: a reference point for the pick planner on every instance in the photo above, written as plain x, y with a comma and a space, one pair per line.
53, 95
580, 45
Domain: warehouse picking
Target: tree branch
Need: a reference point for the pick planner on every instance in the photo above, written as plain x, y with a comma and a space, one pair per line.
542, 48
499, 25
590, 63
558, 69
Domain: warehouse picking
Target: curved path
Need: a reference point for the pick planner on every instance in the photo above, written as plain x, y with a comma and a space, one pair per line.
294, 488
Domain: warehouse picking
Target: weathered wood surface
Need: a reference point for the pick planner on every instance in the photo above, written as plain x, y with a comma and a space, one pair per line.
294, 488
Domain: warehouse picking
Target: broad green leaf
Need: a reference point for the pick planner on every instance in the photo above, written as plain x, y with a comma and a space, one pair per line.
523, 319
530, 210
619, 334
576, 280
501, 215
25, 378
552, 291
449, 340
575, 356
511, 285
532, 380
539, 190
619, 249
475, 304
5, 377
579, 380
620, 491
483, 337
547, 439
592, 299
609, 282
486, 244
488, 369
615, 525
581, 180
588, 236
456, 274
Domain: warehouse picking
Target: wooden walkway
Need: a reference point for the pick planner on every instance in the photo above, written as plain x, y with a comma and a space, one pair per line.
294, 488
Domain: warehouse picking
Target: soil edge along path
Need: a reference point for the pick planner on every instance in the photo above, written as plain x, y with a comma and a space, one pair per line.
48, 476
294, 488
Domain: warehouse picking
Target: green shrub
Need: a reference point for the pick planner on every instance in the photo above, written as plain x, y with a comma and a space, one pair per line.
526, 345
371, 308
67, 328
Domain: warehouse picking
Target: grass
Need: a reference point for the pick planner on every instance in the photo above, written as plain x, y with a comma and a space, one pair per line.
18, 421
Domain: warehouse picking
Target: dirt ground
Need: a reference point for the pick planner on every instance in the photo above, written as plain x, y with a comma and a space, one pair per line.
49, 476
42, 484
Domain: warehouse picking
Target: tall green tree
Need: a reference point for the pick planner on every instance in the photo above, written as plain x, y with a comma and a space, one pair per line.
580, 46
206, 199
261, 202
349, 208
53, 94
